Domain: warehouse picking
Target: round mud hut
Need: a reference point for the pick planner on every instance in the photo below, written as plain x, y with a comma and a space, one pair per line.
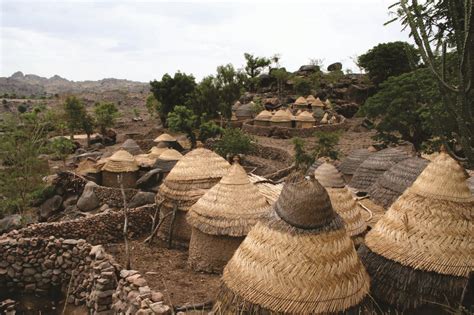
244, 112
131, 147
300, 260
222, 218
120, 168
189, 179
281, 119
342, 201
301, 103
263, 118
374, 166
391, 185
167, 160
350, 164
305, 120
420, 253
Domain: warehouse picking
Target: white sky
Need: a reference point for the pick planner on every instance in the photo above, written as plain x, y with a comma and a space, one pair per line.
142, 40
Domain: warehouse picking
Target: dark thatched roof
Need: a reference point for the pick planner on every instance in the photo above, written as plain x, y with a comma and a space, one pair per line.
313, 167
349, 165
388, 187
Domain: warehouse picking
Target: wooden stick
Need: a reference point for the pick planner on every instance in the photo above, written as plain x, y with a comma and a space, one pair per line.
173, 218
368, 210
149, 239
201, 306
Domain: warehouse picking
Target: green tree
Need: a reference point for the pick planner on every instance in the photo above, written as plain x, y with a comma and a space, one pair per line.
254, 67
105, 116
152, 105
388, 59
22, 140
61, 147
182, 119
209, 129
234, 142
302, 86
75, 115
172, 91
207, 97
281, 76
326, 144
230, 82
303, 160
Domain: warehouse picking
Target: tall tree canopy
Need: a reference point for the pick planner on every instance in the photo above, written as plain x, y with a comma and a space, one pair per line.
254, 67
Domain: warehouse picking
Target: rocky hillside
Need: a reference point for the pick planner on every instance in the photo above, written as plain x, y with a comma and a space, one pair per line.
30, 84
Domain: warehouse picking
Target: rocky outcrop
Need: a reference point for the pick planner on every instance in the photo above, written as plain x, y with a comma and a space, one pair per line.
88, 200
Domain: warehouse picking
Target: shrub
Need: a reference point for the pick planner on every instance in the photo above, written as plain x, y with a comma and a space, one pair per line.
22, 108
302, 86
302, 159
61, 147
234, 142
326, 145
208, 130
182, 119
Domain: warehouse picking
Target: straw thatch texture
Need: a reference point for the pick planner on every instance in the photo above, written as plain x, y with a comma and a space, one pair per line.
120, 162
145, 160
131, 147
232, 207
312, 168
281, 116
282, 269
355, 158
87, 166
263, 118
270, 191
470, 183
165, 138
341, 199
305, 120
374, 166
391, 185
301, 101
310, 99
155, 151
317, 103
430, 229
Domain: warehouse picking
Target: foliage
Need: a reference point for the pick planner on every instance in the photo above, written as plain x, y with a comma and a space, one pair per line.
230, 82
209, 129
303, 160
77, 117
22, 140
136, 112
388, 59
173, 91
152, 105
407, 107
182, 119
254, 67
257, 106
105, 115
326, 145
281, 76
22, 108
207, 98
302, 86
61, 147
234, 142
334, 76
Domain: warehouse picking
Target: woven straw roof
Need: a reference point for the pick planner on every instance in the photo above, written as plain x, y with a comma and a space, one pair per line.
317, 103
170, 155
280, 116
301, 101
165, 137
270, 191
313, 167
430, 227
470, 183
121, 162
145, 160
280, 269
232, 207
388, 187
264, 115
131, 147
355, 158
305, 116
374, 166
156, 151
189, 179
87, 166
310, 99
328, 176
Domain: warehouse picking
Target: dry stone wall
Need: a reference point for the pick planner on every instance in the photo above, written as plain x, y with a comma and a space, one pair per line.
288, 133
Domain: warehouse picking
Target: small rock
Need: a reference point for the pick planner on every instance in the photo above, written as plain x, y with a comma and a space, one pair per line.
49, 207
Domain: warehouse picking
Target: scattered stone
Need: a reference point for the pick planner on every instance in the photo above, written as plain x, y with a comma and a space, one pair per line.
88, 200
142, 198
10, 222
49, 207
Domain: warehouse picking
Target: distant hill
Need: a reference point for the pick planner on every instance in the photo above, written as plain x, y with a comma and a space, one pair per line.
31, 84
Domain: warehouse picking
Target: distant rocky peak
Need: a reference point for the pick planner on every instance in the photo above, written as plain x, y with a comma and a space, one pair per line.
17, 75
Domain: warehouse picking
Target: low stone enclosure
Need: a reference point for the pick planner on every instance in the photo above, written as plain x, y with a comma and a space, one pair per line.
287, 133
34, 261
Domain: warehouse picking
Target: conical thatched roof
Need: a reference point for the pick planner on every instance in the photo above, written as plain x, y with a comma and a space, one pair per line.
232, 207
87, 166
155, 152
131, 147
165, 137
341, 198
374, 166
281, 116
301, 101
388, 187
355, 158
269, 190
310, 99
421, 250
470, 183
305, 116
189, 179
121, 162
299, 261
145, 160
264, 115
170, 155
313, 167
317, 103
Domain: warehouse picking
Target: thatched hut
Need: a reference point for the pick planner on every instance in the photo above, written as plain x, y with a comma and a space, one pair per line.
342, 200
391, 185
305, 120
189, 179
298, 261
301, 103
167, 160
470, 183
222, 218
420, 252
281, 119
317, 103
89, 169
156, 151
120, 168
374, 166
263, 118
166, 138
131, 147
313, 167
244, 111
350, 164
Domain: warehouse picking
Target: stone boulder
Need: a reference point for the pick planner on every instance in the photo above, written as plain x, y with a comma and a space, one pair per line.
88, 200
305, 69
150, 179
50, 207
335, 66
10, 222
142, 198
